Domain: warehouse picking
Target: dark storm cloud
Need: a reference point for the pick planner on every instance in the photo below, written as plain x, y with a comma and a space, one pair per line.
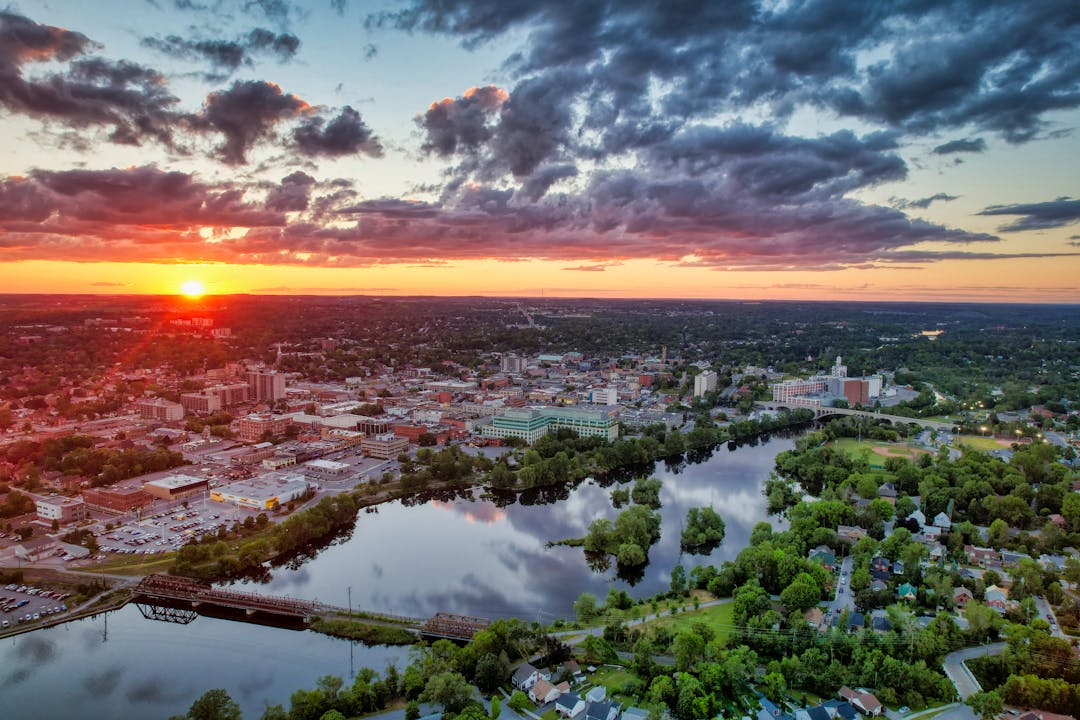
537, 185
1038, 216
246, 113
293, 194
90, 91
462, 123
227, 56
346, 134
968, 145
925, 202
997, 66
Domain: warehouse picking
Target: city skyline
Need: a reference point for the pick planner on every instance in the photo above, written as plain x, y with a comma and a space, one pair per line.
751, 150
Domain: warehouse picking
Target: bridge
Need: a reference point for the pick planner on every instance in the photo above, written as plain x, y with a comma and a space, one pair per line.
821, 411
176, 599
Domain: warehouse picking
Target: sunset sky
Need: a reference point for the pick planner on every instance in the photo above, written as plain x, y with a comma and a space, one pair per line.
824, 149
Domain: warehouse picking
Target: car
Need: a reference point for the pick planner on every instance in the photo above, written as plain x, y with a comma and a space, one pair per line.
904, 710
37, 616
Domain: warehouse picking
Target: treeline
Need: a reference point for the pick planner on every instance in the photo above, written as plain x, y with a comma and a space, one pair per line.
78, 455
440, 673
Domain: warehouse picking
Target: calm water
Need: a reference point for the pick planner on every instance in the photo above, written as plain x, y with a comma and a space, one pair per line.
470, 556
479, 557
147, 669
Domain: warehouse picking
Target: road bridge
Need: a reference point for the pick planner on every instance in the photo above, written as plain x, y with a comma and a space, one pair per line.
822, 411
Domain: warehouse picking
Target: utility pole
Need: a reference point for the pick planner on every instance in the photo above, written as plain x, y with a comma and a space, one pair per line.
348, 592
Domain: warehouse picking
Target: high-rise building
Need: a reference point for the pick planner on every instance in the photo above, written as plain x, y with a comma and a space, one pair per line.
266, 385
203, 403
513, 364
704, 382
160, 409
839, 370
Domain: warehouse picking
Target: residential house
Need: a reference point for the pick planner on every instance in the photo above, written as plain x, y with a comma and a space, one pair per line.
597, 693
1043, 715
824, 555
569, 705
768, 711
997, 598
862, 701
604, 710
879, 621
636, 713
982, 556
814, 617
961, 597
525, 676
812, 713
880, 564
840, 709
898, 567
543, 692
1011, 559
887, 491
942, 521
907, 591
856, 621
851, 533
878, 585
918, 517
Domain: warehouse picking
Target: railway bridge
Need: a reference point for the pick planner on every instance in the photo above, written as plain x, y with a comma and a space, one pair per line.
177, 599
821, 411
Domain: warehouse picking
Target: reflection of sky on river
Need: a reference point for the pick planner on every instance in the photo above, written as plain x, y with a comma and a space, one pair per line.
147, 669
474, 557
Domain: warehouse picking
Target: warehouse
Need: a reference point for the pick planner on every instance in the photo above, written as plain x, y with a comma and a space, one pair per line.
175, 487
263, 492
327, 467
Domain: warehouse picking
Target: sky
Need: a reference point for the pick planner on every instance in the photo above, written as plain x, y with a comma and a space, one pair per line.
760, 149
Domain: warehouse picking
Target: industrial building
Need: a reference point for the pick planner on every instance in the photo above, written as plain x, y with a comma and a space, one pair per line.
176, 487
263, 492
117, 500
61, 509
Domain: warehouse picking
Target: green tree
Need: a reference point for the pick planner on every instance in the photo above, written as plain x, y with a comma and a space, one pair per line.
586, 607
449, 689
773, 686
214, 705
678, 580
986, 704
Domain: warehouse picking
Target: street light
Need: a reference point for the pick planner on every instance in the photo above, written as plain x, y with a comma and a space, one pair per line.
983, 430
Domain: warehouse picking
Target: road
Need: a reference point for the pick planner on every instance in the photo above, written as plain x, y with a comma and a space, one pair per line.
844, 598
1047, 613
957, 671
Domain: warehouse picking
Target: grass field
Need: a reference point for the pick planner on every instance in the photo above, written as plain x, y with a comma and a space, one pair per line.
614, 679
135, 564
876, 452
980, 442
718, 618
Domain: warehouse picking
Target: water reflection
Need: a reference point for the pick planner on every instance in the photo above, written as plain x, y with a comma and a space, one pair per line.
454, 551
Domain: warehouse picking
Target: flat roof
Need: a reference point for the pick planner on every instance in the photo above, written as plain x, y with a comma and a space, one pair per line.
265, 486
173, 482
327, 465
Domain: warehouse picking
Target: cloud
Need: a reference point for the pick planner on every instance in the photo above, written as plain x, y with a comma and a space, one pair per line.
1038, 216
89, 91
108, 284
969, 145
227, 56
246, 113
925, 202
588, 268
914, 67
293, 194
345, 134
462, 123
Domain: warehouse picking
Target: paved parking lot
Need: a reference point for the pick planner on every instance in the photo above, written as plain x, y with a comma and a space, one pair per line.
20, 604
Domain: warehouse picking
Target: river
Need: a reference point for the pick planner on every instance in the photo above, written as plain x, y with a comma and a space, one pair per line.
464, 555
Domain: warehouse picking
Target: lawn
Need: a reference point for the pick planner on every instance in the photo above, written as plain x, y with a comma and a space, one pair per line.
718, 618
980, 442
614, 679
134, 564
876, 452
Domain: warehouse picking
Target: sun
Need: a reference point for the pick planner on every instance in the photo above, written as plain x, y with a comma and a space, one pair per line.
192, 288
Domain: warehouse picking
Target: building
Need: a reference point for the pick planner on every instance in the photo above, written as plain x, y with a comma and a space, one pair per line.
61, 509
257, 425
37, 548
531, 424
793, 390
704, 382
266, 385
176, 487
513, 364
231, 394
201, 403
262, 493
116, 500
327, 467
384, 446
160, 409
525, 676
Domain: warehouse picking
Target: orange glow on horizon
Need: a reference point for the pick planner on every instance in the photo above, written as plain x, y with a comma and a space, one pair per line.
193, 288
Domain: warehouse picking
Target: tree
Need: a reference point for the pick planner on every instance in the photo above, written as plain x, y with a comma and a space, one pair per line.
520, 702
678, 580
449, 689
214, 705
802, 594
689, 648
703, 531
496, 707
998, 533
586, 607
774, 686
986, 704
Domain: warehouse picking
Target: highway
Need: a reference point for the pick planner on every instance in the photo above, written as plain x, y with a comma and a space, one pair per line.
957, 671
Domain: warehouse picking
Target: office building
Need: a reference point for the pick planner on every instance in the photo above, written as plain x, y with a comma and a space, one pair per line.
704, 382
266, 385
160, 409
201, 403
176, 487
61, 509
384, 446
